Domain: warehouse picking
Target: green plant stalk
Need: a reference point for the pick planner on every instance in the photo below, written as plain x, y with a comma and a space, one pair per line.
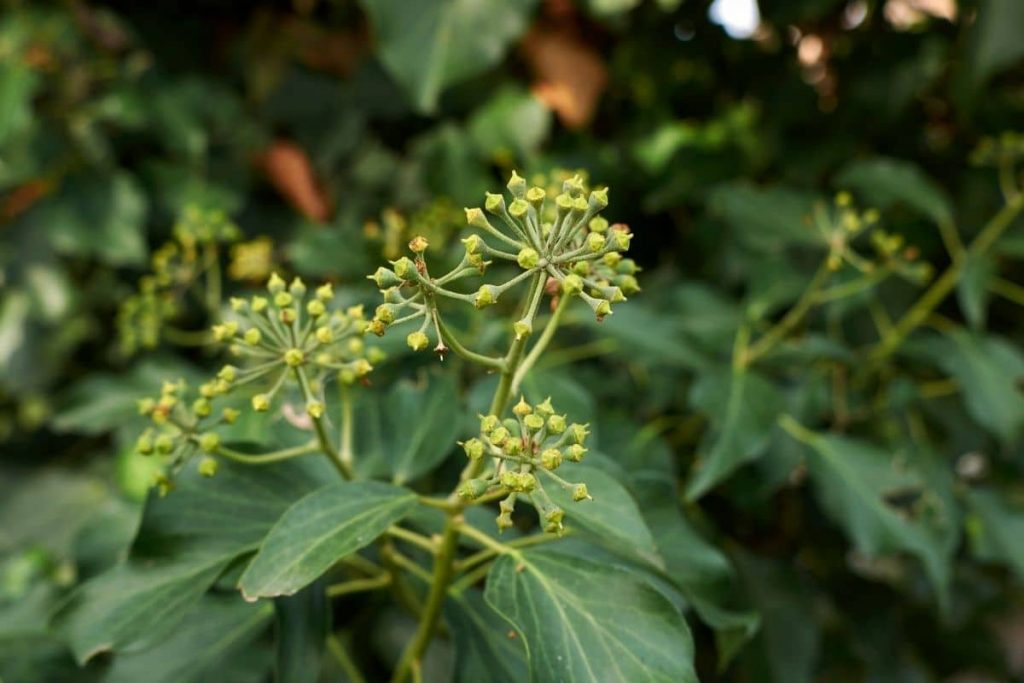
321, 428
345, 455
455, 345
541, 345
359, 585
444, 560
213, 281
946, 282
336, 648
778, 331
267, 458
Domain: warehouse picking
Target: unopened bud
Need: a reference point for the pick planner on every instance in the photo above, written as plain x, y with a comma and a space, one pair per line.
516, 184
324, 335
201, 407
522, 328
472, 243
621, 239
418, 244
579, 205
164, 444
238, 305
536, 195
315, 409
146, 406
533, 422
403, 268
513, 447
575, 452
384, 278
504, 521
528, 258
582, 268
474, 449
283, 299
487, 295
385, 313
476, 218
545, 408
417, 341
598, 224
572, 284
261, 403
471, 489
579, 492
275, 284
498, 436
252, 336
144, 445
259, 304
208, 467
325, 292
225, 331
288, 315
488, 423
297, 288
518, 208
316, 308
522, 408
556, 424
551, 458
229, 415
293, 358
598, 200
377, 327
595, 242
209, 442
494, 203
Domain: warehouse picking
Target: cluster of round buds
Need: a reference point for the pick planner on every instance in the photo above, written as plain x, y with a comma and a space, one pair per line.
288, 334
1008, 148
175, 268
844, 223
565, 239
526, 451
183, 428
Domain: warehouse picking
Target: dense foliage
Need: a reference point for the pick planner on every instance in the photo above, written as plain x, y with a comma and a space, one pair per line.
232, 242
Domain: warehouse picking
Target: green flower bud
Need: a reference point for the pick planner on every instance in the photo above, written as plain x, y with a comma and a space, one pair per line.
474, 449
519, 482
288, 315
472, 243
551, 458
582, 268
579, 205
601, 308
522, 328
628, 284
208, 467
556, 424
385, 313
574, 185
238, 305
261, 403
253, 336
494, 204
522, 408
259, 304
575, 452
228, 373
518, 208
598, 200
476, 218
375, 355
418, 244
572, 284
346, 376
283, 299
553, 520
513, 447
488, 423
471, 489
533, 422
516, 184
164, 444
209, 442
144, 444
275, 284
361, 367
504, 521
487, 295
563, 203
325, 292
621, 239
315, 409
384, 278
598, 224
146, 406
377, 327
499, 436
579, 492
536, 195
627, 266
229, 415
201, 407
595, 242
316, 308
417, 341
293, 358
225, 331
528, 258
611, 259
404, 269
614, 295
545, 408
324, 335
297, 288
578, 432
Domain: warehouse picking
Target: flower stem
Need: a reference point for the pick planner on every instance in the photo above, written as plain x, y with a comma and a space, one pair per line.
267, 458
320, 426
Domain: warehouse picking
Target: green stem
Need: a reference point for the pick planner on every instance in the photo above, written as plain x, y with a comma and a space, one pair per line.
213, 280
414, 538
267, 458
359, 585
320, 426
792, 318
488, 553
339, 652
946, 282
542, 343
455, 345
798, 431
347, 423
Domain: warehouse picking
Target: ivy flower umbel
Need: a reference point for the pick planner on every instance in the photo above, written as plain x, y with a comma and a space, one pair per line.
526, 450
571, 244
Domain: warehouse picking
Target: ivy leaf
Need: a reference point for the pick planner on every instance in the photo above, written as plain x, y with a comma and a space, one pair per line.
995, 529
320, 529
994, 43
409, 430
612, 518
513, 124
432, 44
884, 182
303, 625
742, 407
765, 219
485, 649
972, 291
989, 370
215, 629
589, 621
856, 482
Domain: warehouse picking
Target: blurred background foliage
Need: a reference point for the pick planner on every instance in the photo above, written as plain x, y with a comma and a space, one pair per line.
151, 152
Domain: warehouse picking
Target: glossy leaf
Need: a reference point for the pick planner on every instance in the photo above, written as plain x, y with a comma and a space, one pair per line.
485, 647
303, 625
590, 622
319, 530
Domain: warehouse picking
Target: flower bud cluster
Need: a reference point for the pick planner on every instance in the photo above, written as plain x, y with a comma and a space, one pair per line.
565, 239
1007, 148
526, 450
176, 267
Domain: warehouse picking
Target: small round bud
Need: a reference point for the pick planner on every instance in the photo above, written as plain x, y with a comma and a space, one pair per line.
551, 458
325, 292
578, 432
417, 341
536, 195
288, 315
209, 442
598, 224
283, 299
487, 295
595, 242
164, 444
275, 284
207, 467
533, 422
598, 200
418, 244
201, 407
601, 308
575, 452
556, 424
377, 327
579, 205
582, 268
315, 409
297, 288
499, 436
494, 203
564, 203
545, 408
579, 492
229, 415
228, 373
528, 258
293, 358
628, 284
324, 335
516, 184
476, 218
146, 406
355, 346
238, 305
261, 403
553, 520
471, 489
404, 269
385, 313
518, 208
253, 336
144, 444
375, 355
513, 447
621, 239
472, 244
385, 278
316, 308
488, 423
225, 331
611, 259
259, 304
522, 408
522, 328
474, 449
572, 284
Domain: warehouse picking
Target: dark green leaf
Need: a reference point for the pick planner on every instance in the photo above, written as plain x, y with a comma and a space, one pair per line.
765, 219
486, 649
303, 625
585, 621
996, 529
319, 530
884, 182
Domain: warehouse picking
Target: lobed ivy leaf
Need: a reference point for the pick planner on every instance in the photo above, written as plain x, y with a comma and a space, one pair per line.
485, 648
319, 530
581, 620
